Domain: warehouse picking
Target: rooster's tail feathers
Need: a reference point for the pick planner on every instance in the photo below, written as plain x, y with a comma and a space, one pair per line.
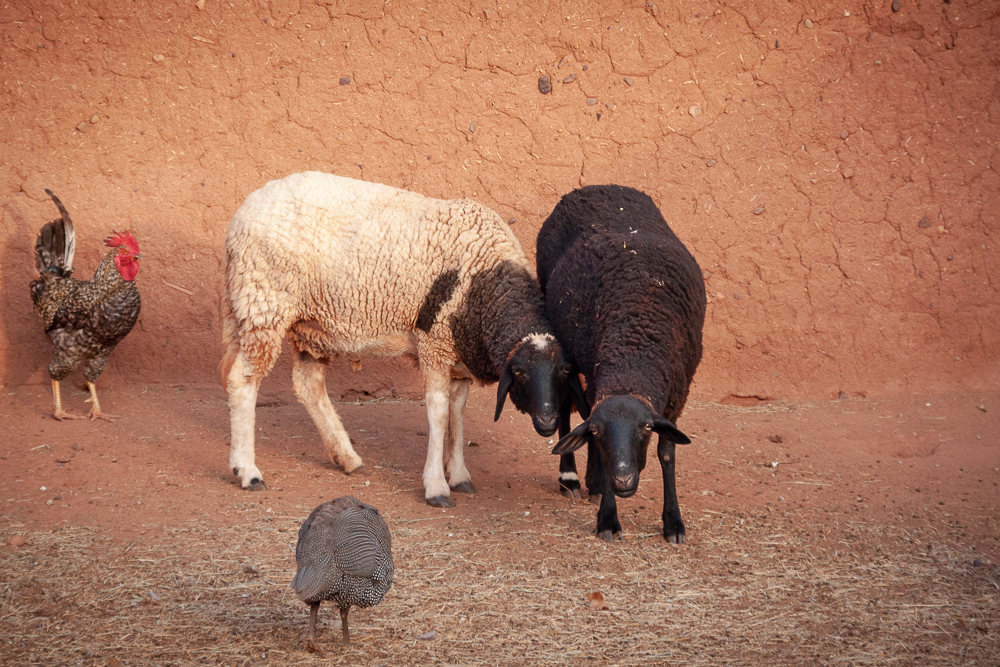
56, 243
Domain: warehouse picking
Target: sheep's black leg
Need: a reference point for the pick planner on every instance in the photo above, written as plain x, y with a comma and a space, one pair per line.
569, 480
594, 478
673, 526
608, 526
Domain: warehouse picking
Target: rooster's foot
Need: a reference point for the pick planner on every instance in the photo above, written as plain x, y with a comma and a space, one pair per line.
94, 415
62, 415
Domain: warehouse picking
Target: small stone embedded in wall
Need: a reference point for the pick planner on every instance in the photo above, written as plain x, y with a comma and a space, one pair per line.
544, 85
344, 80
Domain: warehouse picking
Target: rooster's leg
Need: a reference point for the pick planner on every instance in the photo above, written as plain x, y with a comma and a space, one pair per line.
95, 409
57, 404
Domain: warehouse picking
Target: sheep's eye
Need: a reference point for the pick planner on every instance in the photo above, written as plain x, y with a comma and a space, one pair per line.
564, 371
648, 426
518, 372
593, 429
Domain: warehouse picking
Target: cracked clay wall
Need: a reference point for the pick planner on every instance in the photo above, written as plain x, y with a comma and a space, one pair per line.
833, 166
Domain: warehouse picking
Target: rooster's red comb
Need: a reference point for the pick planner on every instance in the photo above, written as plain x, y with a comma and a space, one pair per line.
123, 239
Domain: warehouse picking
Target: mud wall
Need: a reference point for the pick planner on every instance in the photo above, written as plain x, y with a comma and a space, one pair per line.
833, 166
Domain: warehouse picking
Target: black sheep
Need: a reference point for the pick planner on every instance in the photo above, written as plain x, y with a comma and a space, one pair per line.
627, 301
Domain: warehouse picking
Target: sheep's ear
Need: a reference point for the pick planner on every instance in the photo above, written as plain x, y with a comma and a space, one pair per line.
573, 440
506, 379
579, 398
670, 432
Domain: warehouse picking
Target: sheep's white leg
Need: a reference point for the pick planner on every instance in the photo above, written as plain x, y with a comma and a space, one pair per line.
309, 383
458, 475
242, 385
436, 387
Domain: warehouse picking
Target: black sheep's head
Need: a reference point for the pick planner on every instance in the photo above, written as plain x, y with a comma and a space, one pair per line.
620, 427
538, 375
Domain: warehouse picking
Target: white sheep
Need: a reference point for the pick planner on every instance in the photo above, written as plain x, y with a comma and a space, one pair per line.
353, 269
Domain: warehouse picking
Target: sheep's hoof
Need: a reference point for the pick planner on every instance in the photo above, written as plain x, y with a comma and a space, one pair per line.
573, 494
360, 470
609, 537
257, 484
440, 501
676, 538
594, 499
465, 487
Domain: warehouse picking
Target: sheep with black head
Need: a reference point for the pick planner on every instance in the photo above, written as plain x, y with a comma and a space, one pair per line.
352, 269
627, 301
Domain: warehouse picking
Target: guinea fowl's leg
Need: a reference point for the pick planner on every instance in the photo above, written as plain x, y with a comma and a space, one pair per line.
57, 404
343, 622
311, 635
95, 406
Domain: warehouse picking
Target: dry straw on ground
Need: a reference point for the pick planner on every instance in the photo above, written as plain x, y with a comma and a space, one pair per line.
508, 589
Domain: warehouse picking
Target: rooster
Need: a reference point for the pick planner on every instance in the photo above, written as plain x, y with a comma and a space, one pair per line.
85, 319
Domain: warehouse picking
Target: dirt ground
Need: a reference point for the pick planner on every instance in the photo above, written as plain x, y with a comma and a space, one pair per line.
858, 531
833, 168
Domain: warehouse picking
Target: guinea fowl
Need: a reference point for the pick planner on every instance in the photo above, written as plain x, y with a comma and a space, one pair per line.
344, 555
85, 319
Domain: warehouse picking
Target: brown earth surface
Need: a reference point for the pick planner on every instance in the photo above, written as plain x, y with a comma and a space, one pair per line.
833, 168
858, 531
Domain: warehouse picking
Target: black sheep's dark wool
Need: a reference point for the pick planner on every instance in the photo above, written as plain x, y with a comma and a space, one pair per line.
627, 301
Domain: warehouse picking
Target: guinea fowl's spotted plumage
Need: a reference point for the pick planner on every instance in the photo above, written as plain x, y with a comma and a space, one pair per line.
344, 555
85, 319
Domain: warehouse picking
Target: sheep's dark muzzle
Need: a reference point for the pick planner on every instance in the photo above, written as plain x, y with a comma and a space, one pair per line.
545, 424
625, 486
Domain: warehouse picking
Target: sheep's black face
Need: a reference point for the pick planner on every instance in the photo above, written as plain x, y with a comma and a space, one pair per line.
620, 428
537, 376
